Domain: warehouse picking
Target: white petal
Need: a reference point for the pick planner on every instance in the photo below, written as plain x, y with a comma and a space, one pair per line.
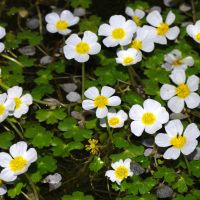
167, 91
65, 32
151, 105
190, 30
27, 99
172, 153
114, 101
173, 33
7, 175
122, 115
193, 100
117, 20
18, 149
170, 18
148, 47
73, 39
20, 111
15, 91
174, 127
193, 83
111, 175
2, 32
162, 140
103, 122
95, 49
178, 76
154, 18
160, 40
107, 91
31, 155
104, 30
129, 11
162, 115
92, 93
52, 18
192, 132
89, 37
189, 61
68, 16
5, 158
136, 112
51, 28
153, 128
2, 47
3, 190
139, 13
137, 128
69, 52
3, 98
189, 147
101, 112
109, 42
88, 104
82, 58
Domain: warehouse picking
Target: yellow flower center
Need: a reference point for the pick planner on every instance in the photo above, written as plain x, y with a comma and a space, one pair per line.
136, 44
162, 29
148, 118
178, 62
198, 36
17, 164
113, 121
118, 33
61, 25
18, 102
101, 101
82, 48
128, 60
121, 172
2, 109
178, 141
182, 91
137, 20
93, 146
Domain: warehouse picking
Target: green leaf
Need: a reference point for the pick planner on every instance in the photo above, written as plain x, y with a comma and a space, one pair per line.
41, 90
96, 164
80, 3
131, 97
58, 66
51, 116
13, 192
6, 140
77, 196
195, 168
44, 76
151, 87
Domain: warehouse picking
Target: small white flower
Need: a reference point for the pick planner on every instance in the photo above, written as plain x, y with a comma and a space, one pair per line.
60, 24
73, 97
149, 118
115, 119
22, 103
69, 87
174, 60
79, 12
17, 162
118, 31
121, 170
100, 100
2, 34
183, 93
80, 49
136, 15
5, 106
128, 57
194, 31
162, 29
53, 180
178, 141
144, 39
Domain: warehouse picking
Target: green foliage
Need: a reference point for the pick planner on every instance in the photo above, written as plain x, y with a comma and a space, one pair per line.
96, 164
6, 140
16, 190
77, 196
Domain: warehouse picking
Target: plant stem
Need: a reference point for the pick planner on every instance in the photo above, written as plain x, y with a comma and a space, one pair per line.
109, 131
83, 80
193, 11
26, 196
187, 164
12, 59
133, 83
16, 129
2, 85
32, 186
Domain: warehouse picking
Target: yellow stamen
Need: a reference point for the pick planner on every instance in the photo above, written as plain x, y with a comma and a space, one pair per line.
148, 118
162, 29
93, 146
82, 48
197, 36
137, 20
17, 164
2, 109
136, 44
101, 101
178, 141
128, 60
113, 121
177, 62
118, 33
18, 102
182, 91
61, 25
121, 172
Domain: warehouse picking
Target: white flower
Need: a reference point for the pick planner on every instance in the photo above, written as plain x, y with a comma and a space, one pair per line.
69, 87
128, 57
2, 34
22, 103
60, 24
121, 170
115, 119
136, 15
177, 140
80, 49
53, 180
162, 29
5, 106
183, 93
73, 97
100, 100
149, 118
17, 162
174, 60
194, 31
144, 39
118, 31
79, 12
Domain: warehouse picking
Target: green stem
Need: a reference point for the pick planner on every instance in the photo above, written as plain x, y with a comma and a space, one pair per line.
25, 195
2, 85
133, 83
83, 80
12, 59
33, 186
109, 131
187, 164
16, 129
